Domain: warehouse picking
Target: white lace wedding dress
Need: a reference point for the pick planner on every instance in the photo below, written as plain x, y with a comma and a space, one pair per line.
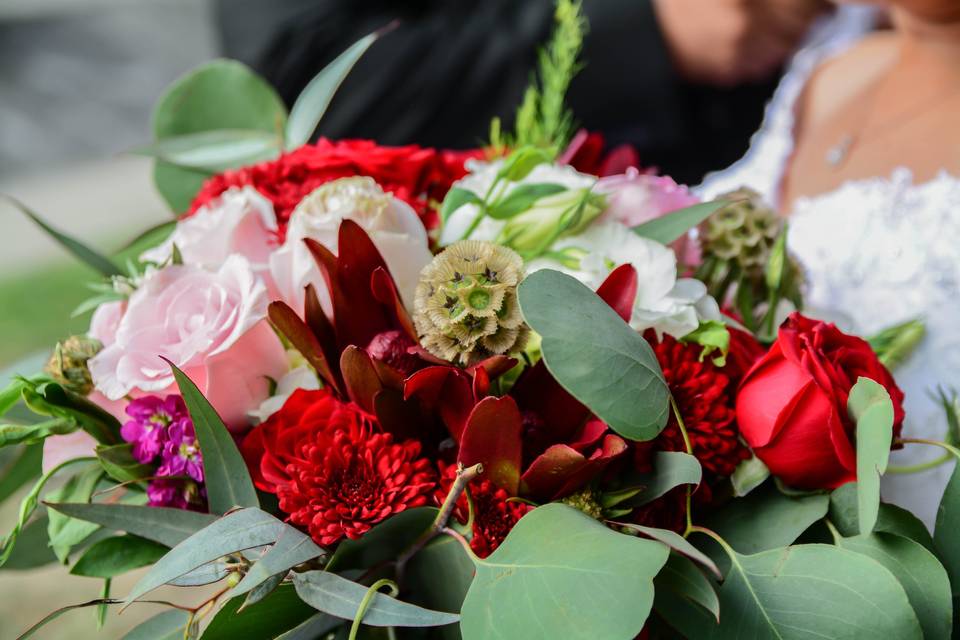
876, 252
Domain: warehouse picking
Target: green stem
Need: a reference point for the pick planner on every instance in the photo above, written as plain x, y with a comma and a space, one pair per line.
717, 538
833, 531
689, 447
921, 466
368, 600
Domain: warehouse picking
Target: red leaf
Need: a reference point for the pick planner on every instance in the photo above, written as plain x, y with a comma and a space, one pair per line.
492, 438
288, 324
322, 328
481, 383
619, 290
402, 418
447, 391
495, 366
360, 377
385, 291
561, 469
536, 390
358, 315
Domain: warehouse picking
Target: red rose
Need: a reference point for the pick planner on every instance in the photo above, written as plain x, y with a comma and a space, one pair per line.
412, 173
334, 472
792, 405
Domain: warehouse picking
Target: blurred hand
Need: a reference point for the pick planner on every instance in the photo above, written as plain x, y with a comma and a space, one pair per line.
726, 42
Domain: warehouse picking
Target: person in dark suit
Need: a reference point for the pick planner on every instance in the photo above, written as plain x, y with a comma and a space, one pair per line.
683, 81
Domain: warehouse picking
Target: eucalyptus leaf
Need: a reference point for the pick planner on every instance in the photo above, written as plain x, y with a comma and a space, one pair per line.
522, 198
810, 591
292, 548
237, 531
891, 519
111, 557
674, 225
385, 541
169, 625
748, 475
263, 589
921, 575
438, 577
555, 575
314, 627
676, 542
204, 574
313, 101
610, 368
870, 406
165, 525
671, 469
947, 527
683, 578
80, 251
276, 614
214, 150
225, 473
339, 597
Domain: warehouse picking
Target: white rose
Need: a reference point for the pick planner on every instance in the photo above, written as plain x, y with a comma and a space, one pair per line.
392, 225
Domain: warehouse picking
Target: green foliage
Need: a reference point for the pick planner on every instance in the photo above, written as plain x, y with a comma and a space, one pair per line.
312, 103
46, 398
213, 151
224, 471
671, 469
947, 526
542, 119
870, 407
455, 199
556, 575
384, 542
680, 578
280, 611
167, 526
844, 515
65, 532
169, 625
118, 461
894, 344
292, 548
590, 350
673, 226
24, 467
714, 337
341, 598
438, 577
676, 542
114, 556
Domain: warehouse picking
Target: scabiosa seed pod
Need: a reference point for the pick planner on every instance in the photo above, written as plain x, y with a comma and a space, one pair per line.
68, 363
465, 307
744, 231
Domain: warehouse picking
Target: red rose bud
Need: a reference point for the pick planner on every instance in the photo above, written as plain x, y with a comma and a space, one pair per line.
792, 405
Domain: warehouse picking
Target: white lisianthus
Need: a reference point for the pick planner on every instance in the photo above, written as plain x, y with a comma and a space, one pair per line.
478, 181
239, 221
664, 303
301, 377
392, 224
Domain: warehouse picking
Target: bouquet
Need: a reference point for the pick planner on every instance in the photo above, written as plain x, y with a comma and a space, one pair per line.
525, 391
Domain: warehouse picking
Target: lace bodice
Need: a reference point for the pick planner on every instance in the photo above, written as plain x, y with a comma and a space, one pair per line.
876, 252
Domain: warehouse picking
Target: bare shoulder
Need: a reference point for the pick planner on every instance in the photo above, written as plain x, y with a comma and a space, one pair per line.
843, 78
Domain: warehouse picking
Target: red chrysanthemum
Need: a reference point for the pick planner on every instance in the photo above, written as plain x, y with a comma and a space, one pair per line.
412, 173
704, 396
493, 515
334, 472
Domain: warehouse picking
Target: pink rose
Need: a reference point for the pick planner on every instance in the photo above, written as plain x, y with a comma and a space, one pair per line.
209, 323
634, 198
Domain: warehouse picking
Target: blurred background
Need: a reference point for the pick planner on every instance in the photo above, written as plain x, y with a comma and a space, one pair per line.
78, 79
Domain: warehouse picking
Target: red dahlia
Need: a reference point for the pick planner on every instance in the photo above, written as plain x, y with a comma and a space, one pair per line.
493, 516
412, 173
704, 396
334, 472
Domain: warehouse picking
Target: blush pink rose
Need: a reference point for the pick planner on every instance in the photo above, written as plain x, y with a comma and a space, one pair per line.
634, 198
210, 323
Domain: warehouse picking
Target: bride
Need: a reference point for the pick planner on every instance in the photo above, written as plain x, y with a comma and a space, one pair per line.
861, 148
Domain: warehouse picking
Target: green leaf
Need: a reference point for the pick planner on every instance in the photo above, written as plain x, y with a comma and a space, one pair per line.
11, 434
80, 251
50, 617
767, 519
383, 542
263, 589
313, 628
169, 625
313, 101
52, 399
118, 461
748, 475
682, 577
339, 597
455, 199
812, 591
676, 542
114, 556
214, 150
224, 471
292, 548
921, 575
237, 531
64, 531
33, 547
10, 395
204, 574
521, 162
947, 526
556, 575
671, 469
439, 576
279, 612
220, 94
892, 519
28, 505
167, 526
521, 199
674, 225
870, 407
24, 468
609, 367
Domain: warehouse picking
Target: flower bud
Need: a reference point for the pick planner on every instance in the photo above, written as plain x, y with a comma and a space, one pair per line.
562, 214
743, 232
68, 363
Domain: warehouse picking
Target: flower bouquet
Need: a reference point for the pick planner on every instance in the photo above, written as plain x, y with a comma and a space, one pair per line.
372, 392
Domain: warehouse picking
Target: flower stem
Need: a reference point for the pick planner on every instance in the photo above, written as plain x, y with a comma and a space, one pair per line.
921, 466
368, 600
689, 447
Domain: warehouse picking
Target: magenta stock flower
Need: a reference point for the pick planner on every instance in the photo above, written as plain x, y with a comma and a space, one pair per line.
151, 417
181, 452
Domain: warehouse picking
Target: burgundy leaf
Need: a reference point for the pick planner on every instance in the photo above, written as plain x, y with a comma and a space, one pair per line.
385, 291
561, 469
447, 391
492, 438
288, 324
360, 377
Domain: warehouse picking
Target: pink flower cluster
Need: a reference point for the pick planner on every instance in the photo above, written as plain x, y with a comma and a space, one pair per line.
162, 433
